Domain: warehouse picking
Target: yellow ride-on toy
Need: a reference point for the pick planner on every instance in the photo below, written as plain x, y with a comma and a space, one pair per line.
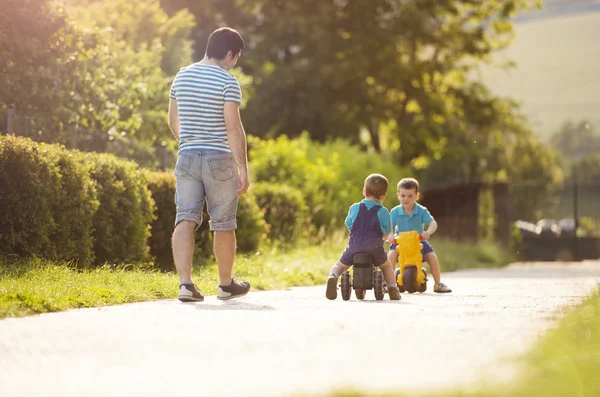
411, 276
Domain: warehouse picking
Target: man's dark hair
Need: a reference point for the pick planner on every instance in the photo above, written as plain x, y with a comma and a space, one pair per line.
376, 185
409, 183
223, 40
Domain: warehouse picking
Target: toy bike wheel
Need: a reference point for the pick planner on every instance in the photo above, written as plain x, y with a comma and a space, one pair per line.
400, 287
360, 293
423, 287
378, 287
346, 286
409, 279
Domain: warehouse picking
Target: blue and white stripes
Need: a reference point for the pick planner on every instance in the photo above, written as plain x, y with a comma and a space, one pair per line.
201, 92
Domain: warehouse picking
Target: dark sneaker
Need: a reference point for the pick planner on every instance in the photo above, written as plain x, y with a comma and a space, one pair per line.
233, 290
394, 293
331, 292
189, 293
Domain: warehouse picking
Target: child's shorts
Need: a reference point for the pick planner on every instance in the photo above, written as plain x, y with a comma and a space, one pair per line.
375, 248
427, 248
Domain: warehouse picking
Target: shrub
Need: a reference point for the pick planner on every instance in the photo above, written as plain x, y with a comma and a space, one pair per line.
251, 226
330, 176
121, 223
162, 189
47, 200
285, 211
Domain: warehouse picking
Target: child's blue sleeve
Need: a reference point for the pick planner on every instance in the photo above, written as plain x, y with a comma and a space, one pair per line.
426, 216
352, 213
384, 220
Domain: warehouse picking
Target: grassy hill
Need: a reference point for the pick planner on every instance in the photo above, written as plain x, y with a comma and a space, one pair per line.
558, 65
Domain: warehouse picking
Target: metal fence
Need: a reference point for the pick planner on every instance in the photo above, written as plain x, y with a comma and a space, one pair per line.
545, 223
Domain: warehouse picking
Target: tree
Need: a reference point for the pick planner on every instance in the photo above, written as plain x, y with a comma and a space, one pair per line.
333, 67
30, 56
94, 75
149, 38
576, 140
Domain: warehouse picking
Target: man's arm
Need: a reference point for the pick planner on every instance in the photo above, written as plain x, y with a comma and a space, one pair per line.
237, 142
174, 118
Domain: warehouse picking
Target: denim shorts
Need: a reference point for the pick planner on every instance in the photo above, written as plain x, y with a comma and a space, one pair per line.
207, 176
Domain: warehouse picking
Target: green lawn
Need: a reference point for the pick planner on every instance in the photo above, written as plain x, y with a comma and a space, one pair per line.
37, 286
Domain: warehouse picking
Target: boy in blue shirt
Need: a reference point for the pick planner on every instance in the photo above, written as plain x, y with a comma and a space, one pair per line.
409, 216
369, 226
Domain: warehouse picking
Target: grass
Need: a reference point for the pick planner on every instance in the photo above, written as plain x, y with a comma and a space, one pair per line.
565, 362
455, 256
36, 286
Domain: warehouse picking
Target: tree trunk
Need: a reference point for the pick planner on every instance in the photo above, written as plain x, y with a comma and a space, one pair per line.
374, 132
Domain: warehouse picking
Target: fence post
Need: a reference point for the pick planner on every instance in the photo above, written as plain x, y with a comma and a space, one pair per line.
10, 121
501, 193
575, 214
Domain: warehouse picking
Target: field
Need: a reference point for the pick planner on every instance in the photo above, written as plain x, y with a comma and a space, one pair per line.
558, 68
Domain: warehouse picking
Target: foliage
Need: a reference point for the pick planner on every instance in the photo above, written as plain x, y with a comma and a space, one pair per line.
99, 74
148, 37
251, 226
285, 211
48, 201
68, 205
121, 224
576, 140
330, 176
162, 188
579, 144
337, 67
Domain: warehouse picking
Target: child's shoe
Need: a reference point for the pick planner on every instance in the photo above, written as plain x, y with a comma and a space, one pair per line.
394, 293
441, 288
331, 292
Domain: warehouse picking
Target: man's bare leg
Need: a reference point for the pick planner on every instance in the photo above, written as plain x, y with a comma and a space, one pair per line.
183, 249
225, 247
183, 253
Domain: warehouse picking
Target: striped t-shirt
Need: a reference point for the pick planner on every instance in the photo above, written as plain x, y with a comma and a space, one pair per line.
201, 92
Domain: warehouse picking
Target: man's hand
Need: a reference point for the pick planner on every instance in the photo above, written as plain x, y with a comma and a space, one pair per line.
242, 183
426, 235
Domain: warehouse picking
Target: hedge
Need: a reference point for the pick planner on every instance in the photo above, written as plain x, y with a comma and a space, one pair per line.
122, 221
61, 204
96, 208
47, 201
285, 211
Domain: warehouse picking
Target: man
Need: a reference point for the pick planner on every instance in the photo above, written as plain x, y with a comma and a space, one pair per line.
212, 165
